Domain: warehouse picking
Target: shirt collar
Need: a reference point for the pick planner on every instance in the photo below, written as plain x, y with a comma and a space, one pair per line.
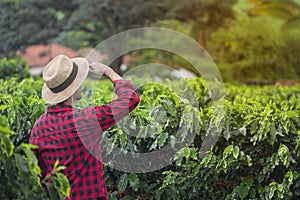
59, 108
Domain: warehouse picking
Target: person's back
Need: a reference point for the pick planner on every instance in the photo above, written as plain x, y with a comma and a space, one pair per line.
73, 136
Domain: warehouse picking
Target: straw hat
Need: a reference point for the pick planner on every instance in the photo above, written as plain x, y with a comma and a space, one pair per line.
63, 76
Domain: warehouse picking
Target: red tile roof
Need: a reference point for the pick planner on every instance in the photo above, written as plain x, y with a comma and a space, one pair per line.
40, 55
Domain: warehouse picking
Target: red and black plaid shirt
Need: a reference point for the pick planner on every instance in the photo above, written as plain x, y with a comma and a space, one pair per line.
72, 136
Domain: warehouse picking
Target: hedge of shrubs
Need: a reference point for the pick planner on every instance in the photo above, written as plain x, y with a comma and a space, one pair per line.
255, 155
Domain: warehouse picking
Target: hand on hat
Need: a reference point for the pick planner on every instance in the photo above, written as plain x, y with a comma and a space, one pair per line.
97, 68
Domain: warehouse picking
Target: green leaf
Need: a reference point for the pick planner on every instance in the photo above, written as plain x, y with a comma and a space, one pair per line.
3, 107
30, 157
243, 192
298, 142
123, 182
245, 186
249, 161
154, 145
169, 179
162, 138
56, 164
228, 149
236, 152
59, 168
289, 176
187, 152
253, 127
134, 182
172, 193
273, 188
274, 159
283, 151
273, 133
4, 126
21, 164
52, 192
63, 187
6, 145
169, 106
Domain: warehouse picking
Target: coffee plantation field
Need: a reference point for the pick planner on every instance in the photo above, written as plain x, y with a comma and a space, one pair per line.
253, 153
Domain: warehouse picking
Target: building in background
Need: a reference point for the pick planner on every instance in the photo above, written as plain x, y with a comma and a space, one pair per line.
38, 56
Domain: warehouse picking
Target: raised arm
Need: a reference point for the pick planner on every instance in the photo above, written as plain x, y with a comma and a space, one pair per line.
126, 101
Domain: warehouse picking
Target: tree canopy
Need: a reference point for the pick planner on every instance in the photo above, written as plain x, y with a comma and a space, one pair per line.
24, 23
81, 23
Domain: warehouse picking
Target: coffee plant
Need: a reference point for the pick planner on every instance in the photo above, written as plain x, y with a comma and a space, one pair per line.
13, 68
255, 154
20, 173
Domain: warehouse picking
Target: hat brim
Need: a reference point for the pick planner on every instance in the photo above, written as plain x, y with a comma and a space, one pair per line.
54, 98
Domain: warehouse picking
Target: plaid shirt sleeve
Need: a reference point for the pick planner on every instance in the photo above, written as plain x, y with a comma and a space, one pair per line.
72, 137
127, 100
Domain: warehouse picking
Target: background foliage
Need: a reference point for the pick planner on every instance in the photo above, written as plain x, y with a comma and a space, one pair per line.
13, 68
25, 23
248, 39
258, 53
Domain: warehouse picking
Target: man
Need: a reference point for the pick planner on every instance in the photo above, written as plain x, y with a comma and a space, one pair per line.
72, 136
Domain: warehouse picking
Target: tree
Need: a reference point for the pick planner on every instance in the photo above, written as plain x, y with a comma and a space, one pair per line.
103, 19
109, 17
24, 23
286, 10
35, 22
205, 16
252, 48
289, 12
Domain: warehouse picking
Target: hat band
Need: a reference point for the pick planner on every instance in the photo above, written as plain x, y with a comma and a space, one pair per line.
67, 82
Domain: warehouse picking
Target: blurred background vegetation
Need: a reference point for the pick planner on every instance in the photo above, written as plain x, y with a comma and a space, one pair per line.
248, 39
251, 41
